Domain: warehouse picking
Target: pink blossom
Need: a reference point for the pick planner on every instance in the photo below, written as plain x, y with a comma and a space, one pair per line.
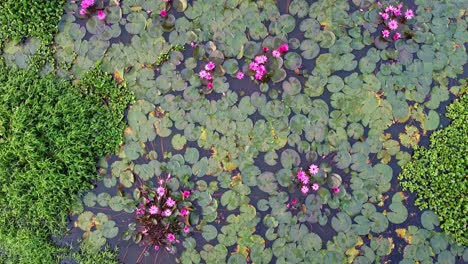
409, 14
186, 194
83, 11
163, 13
166, 213
253, 66
305, 189
283, 48
161, 191
87, 3
313, 169
261, 59
154, 210
276, 54
240, 75
265, 49
300, 174
258, 76
389, 9
384, 15
167, 1
397, 36
170, 237
202, 74
184, 212
385, 33
210, 66
140, 211
193, 44
393, 24
294, 201
208, 76
379, 3
315, 186
336, 190
101, 15
400, 5
304, 180
210, 85
186, 229
156, 247
170, 202
261, 69
397, 12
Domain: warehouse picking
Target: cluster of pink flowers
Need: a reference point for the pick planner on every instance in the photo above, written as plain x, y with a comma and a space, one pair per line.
392, 17
258, 66
305, 179
161, 215
207, 74
87, 7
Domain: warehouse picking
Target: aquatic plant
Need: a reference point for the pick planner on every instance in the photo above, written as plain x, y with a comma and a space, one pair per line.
161, 216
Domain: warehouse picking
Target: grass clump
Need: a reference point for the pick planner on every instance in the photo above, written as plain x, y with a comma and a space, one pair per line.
32, 18
51, 132
438, 174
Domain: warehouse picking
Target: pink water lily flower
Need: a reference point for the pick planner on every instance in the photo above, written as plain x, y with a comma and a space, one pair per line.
409, 14
385, 33
397, 36
210, 85
276, 54
393, 24
170, 237
283, 48
261, 59
240, 75
313, 169
166, 213
253, 66
163, 13
186, 194
210, 66
101, 15
294, 201
305, 189
384, 15
154, 210
87, 3
336, 190
315, 186
83, 11
186, 229
170, 202
161, 191
265, 49
184, 212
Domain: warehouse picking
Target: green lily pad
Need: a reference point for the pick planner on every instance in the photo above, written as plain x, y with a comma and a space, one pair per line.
209, 232
178, 141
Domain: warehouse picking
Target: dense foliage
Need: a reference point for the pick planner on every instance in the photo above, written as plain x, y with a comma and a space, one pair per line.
33, 18
438, 174
51, 133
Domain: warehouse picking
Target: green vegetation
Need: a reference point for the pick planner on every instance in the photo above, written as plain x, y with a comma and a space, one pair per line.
106, 256
438, 174
51, 133
33, 18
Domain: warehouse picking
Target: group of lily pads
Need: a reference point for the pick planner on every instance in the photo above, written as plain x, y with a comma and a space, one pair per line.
329, 102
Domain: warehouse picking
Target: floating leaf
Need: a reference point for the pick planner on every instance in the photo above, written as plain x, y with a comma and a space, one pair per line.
178, 141
209, 232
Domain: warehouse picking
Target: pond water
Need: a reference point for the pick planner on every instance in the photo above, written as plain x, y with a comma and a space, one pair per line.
342, 103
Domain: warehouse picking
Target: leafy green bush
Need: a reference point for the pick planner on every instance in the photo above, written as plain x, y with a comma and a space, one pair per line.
32, 18
51, 133
438, 174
